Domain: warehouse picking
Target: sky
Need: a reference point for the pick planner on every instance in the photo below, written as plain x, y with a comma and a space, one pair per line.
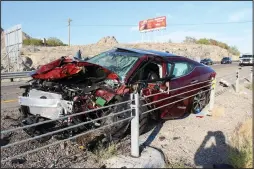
93, 20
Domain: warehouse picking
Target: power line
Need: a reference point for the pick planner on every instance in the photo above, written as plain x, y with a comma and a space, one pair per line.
171, 24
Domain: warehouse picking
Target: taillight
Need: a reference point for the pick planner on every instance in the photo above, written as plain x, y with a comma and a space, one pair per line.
213, 74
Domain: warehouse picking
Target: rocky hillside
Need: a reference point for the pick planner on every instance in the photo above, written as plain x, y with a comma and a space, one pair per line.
41, 55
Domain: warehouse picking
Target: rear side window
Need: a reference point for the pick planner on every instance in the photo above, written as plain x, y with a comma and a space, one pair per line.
181, 68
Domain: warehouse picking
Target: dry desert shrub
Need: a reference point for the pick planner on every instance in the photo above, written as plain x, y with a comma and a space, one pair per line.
241, 156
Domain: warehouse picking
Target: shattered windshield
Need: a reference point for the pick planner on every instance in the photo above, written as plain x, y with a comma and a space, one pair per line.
117, 62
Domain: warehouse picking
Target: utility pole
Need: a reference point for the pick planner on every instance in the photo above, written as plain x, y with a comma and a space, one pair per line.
69, 25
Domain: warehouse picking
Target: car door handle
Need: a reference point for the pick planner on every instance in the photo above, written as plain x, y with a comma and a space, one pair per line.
194, 81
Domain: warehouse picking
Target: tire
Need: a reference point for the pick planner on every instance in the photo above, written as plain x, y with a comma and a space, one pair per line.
200, 101
120, 130
117, 131
143, 118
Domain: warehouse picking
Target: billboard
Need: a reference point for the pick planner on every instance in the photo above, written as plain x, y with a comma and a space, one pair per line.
152, 24
13, 41
13, 44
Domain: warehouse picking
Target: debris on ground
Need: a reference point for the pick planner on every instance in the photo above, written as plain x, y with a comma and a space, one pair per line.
224, 83
18, 161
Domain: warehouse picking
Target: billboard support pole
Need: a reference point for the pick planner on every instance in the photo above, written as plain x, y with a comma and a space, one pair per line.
154, 36
162, 34
148, 38
161, 37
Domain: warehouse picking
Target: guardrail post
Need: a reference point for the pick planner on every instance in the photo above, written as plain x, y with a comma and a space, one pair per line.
251, 74
135, 126
212, 94
237, 81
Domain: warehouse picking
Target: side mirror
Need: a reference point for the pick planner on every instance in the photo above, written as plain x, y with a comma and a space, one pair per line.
168, 78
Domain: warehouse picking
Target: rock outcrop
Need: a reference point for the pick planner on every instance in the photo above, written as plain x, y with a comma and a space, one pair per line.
109, 40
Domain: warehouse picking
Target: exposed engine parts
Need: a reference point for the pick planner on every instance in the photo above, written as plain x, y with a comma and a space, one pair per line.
80, 92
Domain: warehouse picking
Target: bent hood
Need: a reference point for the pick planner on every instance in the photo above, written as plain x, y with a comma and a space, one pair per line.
66, 67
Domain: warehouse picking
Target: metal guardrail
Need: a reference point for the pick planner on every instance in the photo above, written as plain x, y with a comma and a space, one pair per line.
12, 75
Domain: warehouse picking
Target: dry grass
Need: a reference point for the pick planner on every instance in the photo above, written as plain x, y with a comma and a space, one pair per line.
241, 154
182, 163
249, 86
93, 142
177, 165
105, 153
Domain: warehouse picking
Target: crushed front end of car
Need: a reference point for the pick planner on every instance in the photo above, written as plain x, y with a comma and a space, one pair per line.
66, 87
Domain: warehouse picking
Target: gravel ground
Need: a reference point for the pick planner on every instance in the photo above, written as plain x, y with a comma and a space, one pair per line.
201, 142
182, 141
64, 155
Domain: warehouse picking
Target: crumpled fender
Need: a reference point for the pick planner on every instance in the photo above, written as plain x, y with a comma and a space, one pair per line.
64, 67
59, 72
123, 90
50, 66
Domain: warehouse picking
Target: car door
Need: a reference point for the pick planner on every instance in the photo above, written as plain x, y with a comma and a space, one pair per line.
185, 73
156, 92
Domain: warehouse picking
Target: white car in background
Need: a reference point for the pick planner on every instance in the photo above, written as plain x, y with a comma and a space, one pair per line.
246, 59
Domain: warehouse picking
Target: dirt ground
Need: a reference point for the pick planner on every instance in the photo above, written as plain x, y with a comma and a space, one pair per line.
201, 142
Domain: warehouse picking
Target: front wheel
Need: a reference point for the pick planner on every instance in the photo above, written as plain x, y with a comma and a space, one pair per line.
118, 131
143, 118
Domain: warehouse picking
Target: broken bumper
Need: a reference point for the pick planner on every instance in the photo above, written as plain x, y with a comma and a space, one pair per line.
48, 108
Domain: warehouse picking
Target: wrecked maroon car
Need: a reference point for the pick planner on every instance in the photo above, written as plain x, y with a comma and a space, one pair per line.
66, 86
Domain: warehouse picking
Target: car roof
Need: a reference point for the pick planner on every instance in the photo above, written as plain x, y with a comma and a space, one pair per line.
145, 52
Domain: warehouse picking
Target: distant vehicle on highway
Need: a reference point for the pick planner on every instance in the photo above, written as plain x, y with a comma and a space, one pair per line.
226, 60
246, 59
78, 85
206, 61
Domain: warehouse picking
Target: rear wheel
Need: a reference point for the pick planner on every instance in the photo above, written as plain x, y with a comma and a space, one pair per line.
200, 101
